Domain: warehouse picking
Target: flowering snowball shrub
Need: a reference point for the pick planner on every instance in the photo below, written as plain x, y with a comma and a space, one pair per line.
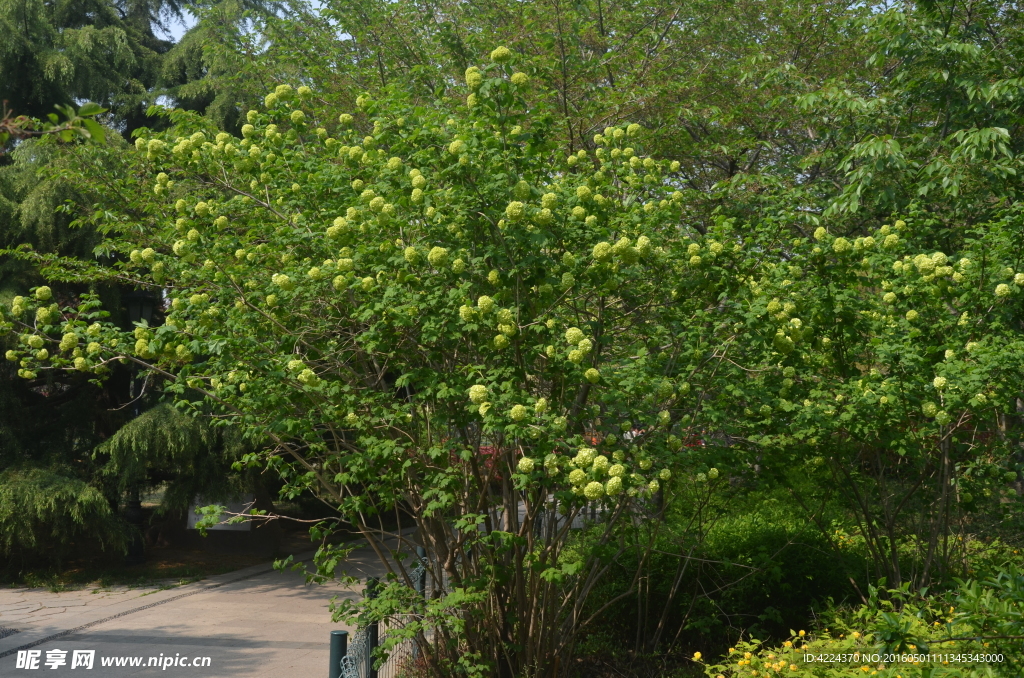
370, 296
403, 309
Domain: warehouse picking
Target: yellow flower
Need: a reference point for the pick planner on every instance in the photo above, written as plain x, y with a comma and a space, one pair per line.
501, 54
697, 656
593, 491
438, 257
841, 245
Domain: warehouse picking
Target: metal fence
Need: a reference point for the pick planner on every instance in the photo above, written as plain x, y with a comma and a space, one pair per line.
358, 660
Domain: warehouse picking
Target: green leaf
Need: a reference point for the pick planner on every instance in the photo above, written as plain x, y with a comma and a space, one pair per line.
91, 108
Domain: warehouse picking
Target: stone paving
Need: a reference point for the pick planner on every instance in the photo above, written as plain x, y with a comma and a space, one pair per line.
254, 622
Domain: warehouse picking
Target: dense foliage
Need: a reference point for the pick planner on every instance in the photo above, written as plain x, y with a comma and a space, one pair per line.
473, 295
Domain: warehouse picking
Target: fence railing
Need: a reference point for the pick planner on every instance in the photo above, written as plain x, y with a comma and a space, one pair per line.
354, 658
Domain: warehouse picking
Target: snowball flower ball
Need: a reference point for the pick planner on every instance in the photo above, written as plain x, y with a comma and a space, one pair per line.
585, 456
298, 116
939, 383
485, 304
911, 315
942, 418
841, 245
713, 473
518, 412
613, 486
600, 464
520, 79
665, 474
501, 54
929, 409
515, 210
438, 257
592, 375
593, 491
574, 336
477, 393
617, 470
526, 465
1002, 290
602, 251
44, 293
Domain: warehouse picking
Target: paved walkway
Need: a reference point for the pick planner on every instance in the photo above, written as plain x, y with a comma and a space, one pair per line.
255, 622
